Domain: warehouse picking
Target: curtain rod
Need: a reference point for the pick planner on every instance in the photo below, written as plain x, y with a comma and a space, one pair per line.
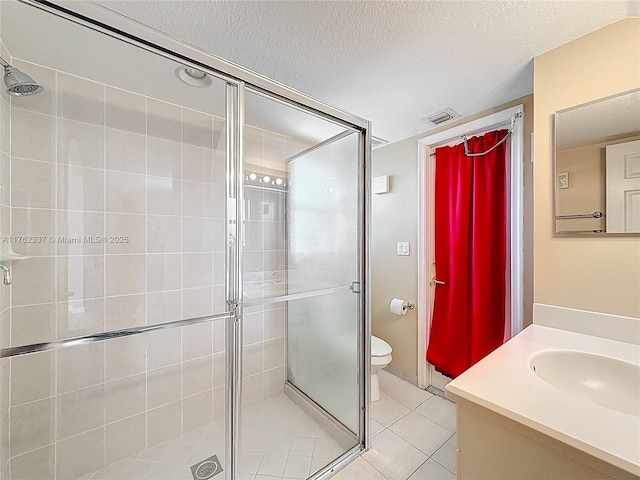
466, 148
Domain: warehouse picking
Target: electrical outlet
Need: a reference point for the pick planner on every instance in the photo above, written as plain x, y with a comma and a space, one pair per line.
402, 248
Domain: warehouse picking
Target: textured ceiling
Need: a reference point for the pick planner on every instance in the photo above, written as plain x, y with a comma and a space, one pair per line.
392, 62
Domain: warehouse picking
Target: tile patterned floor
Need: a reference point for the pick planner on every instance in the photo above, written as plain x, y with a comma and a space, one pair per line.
414, 436
279, 441
413, 439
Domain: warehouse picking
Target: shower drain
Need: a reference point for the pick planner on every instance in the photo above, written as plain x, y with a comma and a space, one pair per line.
206, 468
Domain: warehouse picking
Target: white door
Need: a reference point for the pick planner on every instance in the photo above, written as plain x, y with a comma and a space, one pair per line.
623, 187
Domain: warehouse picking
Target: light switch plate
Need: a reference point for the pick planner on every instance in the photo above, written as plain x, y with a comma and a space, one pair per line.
402, 248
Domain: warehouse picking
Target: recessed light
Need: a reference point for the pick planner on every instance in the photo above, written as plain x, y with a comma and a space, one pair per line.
193, 77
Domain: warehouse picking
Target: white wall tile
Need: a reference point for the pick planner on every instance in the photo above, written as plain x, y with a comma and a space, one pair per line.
164, 307
163, 386
80, 99
197, 234
80, 188
197, 128
125, 274
164, 272
80, 317
126, 192
164, 233
80, 455
126, 233
38, 463
197, 411
197, 163
163, 195
32, 184
33, 281
32, 426
163, 348
80, 225
32, 135
126, 151
164, 158
32, 324
197, 376
80, 277
197, 270
124, 438
252, 359
125, 312
80, 366
163, 424
196, 340
38, 223
164, 120
32, 377
125, 357
126, 111
79, 411
197, 199
80, 143
125, 397
196, 302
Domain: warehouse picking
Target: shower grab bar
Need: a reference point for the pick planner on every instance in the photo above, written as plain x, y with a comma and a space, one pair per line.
596, 214
100, 337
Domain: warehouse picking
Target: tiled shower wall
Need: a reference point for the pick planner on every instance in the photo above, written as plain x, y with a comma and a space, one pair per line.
89, 162
4, 291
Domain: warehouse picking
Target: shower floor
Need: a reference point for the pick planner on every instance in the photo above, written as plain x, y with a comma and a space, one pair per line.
278, 439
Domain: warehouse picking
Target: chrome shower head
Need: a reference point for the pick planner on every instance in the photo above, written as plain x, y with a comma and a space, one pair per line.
18, 83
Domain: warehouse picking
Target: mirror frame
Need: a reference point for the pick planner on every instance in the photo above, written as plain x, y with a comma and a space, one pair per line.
555, 172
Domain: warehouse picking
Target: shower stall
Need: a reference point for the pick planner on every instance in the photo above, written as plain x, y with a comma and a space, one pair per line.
184, 260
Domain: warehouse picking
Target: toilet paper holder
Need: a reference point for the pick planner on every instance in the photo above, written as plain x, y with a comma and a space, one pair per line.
400, 307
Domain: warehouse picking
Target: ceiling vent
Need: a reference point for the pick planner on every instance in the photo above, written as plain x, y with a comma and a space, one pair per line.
440, 117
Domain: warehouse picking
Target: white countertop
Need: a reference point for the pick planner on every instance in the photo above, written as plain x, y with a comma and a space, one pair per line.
503, 382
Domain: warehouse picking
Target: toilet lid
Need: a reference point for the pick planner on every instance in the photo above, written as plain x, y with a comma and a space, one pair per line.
379, 348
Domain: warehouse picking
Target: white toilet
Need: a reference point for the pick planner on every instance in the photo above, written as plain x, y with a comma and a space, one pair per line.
380, 358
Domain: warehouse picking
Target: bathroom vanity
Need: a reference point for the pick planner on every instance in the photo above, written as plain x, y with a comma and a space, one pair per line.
553, 403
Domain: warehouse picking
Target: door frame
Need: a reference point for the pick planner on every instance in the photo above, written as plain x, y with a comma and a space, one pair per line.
510, 118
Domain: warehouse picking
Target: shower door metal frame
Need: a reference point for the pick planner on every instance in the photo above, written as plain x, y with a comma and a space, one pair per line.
107, 22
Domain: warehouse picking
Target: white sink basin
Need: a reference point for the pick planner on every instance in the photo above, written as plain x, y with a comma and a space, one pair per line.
605, 381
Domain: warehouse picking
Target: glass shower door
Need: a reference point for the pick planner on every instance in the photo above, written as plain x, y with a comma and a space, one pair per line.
112, 214
300, 386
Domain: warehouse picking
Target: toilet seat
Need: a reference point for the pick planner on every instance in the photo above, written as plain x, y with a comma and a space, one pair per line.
379, 348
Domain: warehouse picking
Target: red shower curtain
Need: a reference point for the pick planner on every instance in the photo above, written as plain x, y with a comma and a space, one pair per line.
470, 254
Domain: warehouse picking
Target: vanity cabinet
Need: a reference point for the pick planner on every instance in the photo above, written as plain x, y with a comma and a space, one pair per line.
494, 447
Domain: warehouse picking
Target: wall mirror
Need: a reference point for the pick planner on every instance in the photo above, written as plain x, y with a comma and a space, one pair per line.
597, 167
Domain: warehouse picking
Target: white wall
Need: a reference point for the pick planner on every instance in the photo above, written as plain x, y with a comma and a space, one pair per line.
597, 274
